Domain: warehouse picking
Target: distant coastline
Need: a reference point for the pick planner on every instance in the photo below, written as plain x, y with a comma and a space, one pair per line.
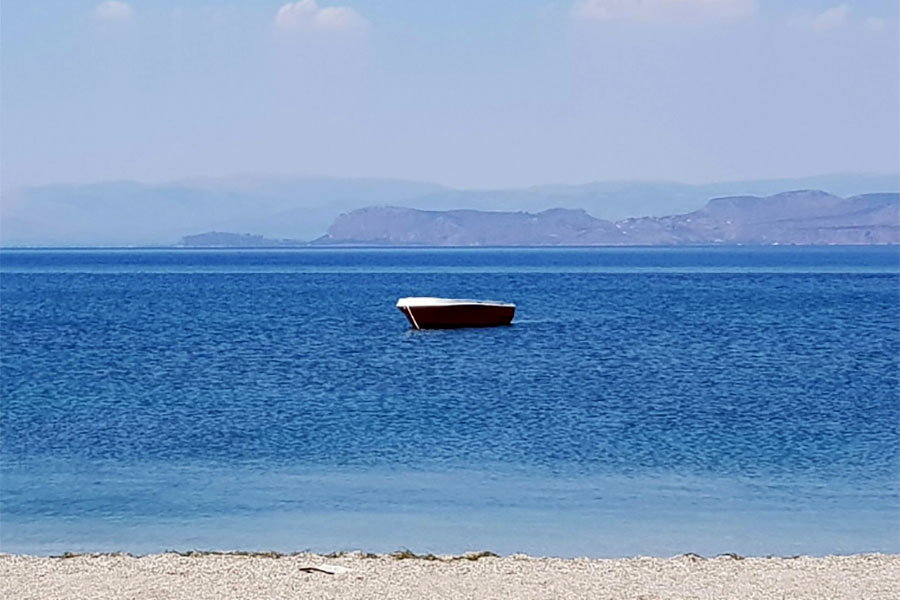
800, 218
269, 211
308, 246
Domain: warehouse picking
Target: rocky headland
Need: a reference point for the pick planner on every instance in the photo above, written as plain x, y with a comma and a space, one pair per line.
805, 217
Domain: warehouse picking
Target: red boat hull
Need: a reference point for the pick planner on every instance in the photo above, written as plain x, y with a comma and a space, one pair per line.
458, 315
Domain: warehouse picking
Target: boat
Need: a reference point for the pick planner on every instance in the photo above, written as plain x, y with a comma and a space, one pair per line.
446, 313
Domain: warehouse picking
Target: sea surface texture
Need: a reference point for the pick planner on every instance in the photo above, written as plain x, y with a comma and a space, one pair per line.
644, 401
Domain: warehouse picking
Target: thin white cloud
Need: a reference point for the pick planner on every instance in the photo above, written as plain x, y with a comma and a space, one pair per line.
113, 11
306, 15
828, 20
874, 24
662, 10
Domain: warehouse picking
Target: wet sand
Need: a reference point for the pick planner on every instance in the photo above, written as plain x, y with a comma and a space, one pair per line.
245, 576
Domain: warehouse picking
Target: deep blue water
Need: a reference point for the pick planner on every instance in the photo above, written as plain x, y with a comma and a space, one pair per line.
645, 401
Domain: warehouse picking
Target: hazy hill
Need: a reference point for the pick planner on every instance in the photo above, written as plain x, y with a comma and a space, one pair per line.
801, 217
617, 200
408, 226
129, 213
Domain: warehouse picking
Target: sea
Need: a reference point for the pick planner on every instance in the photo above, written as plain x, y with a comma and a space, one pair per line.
645, 401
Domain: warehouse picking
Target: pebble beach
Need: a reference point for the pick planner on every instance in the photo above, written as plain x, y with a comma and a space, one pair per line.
404, 576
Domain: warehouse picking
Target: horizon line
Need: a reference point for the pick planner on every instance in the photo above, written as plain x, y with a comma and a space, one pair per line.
193, 180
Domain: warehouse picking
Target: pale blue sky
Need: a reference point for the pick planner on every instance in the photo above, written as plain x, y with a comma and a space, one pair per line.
470, 94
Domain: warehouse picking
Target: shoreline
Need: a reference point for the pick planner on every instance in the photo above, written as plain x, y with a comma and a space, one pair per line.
407, 554
405, 575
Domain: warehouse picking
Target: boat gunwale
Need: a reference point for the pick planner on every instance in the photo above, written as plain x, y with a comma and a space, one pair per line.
424, 301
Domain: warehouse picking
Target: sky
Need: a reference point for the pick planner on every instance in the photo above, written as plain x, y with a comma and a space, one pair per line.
496, 93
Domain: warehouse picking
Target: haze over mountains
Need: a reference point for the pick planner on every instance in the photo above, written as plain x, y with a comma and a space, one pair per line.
303, 209
126, 213
802, 217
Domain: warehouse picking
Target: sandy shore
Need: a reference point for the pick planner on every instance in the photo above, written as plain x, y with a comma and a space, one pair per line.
355, 576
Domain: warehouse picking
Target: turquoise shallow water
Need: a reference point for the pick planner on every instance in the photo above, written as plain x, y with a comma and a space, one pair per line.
645, 401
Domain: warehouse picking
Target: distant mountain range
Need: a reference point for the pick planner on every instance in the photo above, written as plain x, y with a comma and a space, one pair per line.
134, 214
287, 210
801, 217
